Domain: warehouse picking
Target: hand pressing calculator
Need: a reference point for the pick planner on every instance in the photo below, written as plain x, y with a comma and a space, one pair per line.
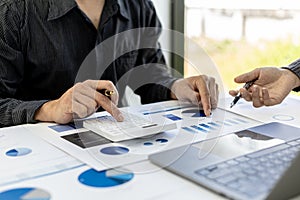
133, 126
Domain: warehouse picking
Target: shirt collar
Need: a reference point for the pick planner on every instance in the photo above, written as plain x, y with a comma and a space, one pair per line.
123, 8
58, 8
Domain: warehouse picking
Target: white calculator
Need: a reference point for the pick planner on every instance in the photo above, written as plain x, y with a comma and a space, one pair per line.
133, 126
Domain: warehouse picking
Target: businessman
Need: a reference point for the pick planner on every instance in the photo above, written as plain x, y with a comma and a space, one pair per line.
43, 44
272, 84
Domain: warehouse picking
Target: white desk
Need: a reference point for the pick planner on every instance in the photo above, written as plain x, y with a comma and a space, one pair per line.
153, 183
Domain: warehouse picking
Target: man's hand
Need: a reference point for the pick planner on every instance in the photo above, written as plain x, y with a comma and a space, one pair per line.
80, 101
272, 85
199, 90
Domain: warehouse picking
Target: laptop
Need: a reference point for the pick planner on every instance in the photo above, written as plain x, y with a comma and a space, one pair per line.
262, 162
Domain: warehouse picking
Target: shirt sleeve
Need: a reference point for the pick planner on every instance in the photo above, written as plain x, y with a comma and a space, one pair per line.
13, 111
295, 68
155, 77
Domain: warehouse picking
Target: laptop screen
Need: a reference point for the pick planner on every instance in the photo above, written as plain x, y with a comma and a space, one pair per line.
236, 144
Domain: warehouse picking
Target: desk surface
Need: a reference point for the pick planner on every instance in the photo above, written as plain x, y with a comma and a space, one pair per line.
150, 182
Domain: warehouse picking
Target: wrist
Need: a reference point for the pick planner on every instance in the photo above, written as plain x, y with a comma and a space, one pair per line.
44, 113
295, 80
172, 95
173, 90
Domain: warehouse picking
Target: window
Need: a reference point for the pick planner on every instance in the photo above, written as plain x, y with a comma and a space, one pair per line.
242, 35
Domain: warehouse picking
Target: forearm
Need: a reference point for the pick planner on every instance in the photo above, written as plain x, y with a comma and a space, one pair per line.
15, 112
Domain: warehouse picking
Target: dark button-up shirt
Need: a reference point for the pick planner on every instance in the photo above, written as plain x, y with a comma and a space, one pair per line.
43, 44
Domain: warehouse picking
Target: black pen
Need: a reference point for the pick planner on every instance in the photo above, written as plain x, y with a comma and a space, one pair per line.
106, 92
239, 95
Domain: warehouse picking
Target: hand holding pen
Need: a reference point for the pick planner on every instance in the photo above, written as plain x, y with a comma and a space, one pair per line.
80, 101
272, 85
106, 92
239, 95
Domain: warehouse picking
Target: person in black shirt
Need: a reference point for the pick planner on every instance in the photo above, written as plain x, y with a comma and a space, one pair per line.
43, 44
272, 84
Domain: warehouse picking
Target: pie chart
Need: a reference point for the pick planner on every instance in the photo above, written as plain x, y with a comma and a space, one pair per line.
115, 150
162, 141
148, 144
25, 194
18, 152
105, 179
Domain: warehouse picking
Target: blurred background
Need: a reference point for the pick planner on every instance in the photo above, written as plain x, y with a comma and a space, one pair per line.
237, 35
240, 35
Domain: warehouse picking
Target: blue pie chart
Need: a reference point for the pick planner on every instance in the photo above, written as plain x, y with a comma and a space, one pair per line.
148, 144
104, 179
114, 150
162, 141
18, 152
25, 194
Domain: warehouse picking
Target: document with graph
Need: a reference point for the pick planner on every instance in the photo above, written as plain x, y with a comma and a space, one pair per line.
25, 156
101, 153
286, 112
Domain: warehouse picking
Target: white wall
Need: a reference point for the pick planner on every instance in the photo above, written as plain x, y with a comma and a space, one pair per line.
163, 8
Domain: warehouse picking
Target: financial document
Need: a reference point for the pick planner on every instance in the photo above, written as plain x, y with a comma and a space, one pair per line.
32, 167
136, 181
100, 153
25, 156
287, 112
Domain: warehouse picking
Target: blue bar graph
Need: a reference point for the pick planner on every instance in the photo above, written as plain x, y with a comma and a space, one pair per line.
226, 124
240, 120
214, 124
172, 117
164, 110
206, 126
199, 129
232, 121
189, 130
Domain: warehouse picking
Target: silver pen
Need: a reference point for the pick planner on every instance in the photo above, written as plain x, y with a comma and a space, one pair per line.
239, 95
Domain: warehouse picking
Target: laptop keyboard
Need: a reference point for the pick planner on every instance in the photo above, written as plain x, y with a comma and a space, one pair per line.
253, 174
